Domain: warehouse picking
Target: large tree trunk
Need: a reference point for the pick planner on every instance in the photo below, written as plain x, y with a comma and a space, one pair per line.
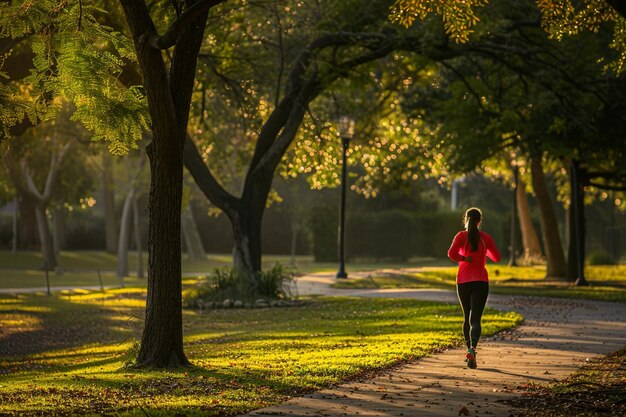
557, 267
247, 252
532, 248
108, 197
169, 98
193, 242
162, 341
124, 236
47, 248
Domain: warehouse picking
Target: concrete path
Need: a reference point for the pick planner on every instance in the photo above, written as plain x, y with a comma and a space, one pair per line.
557, 337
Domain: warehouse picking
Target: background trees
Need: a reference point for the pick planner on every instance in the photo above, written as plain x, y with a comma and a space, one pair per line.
259, 93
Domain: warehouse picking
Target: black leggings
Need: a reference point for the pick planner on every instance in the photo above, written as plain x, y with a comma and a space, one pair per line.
473, 297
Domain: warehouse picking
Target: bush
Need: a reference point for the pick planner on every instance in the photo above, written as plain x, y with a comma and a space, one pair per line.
224, 284
323, 222
276, 282
384, 235
394, 234
600, 257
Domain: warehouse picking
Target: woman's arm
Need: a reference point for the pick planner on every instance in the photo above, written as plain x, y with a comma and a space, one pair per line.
492, 250
455, 249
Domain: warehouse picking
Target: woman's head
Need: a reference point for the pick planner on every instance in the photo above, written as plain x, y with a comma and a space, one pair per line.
472, 215
471, 220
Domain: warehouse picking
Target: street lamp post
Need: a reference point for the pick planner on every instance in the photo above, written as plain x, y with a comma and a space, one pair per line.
512, 260
346, 128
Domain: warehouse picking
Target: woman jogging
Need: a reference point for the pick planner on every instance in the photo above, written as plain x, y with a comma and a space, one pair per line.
470, 249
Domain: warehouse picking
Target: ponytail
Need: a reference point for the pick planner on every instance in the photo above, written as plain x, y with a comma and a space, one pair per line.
471, 219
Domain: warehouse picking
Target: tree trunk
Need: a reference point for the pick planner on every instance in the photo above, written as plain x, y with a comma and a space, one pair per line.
532, 248
247, 251
59, 236
124, 236
14, 229
162, 341
576, 221
193, 243
28, 237
138, 243
169, 99
557, 267
108, 197
47, 249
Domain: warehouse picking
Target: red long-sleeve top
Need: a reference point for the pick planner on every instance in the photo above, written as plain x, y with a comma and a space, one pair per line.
473, 270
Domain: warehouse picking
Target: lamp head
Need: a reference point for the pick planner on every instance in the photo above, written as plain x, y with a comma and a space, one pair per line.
345, 126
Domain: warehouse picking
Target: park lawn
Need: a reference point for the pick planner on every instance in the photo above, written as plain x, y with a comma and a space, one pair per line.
608, 283
80, 268
72, 352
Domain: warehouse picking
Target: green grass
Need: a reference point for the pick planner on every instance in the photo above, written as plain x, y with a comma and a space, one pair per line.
72, 351
24, 270
607, 282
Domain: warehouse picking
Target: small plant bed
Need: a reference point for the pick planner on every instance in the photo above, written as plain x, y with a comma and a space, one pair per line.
607, 283
66, 356
225, 289
597, 389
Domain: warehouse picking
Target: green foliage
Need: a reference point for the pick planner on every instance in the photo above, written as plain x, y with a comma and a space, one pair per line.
224, 283
243, 359
559, 19
599, 257
323, 223
78, 59
395, 235
459, 16
276, 282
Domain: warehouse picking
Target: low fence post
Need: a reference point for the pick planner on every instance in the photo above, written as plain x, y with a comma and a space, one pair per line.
45, 267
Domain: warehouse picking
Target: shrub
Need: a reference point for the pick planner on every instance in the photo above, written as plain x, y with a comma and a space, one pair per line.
276, 282
323, 223
224, 284
600, 257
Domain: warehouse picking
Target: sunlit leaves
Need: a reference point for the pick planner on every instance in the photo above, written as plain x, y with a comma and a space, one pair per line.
78, 59
459, 16
559, 18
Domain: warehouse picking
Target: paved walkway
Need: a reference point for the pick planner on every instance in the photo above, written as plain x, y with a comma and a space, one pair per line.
557, 337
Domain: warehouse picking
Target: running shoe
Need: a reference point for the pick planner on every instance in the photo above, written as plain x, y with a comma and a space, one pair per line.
470, 358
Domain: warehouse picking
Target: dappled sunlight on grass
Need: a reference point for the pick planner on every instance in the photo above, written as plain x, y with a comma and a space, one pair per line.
243, 359
607, 282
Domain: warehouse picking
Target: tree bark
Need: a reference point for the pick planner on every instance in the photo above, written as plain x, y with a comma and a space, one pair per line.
41, 201
124, 236
576, 221
532, 248
47, 246
556, 268
108, 197
28, 237
169, 99
58, 230
247, 252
